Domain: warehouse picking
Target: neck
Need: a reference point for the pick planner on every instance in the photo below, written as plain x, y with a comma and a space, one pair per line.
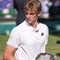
34, 25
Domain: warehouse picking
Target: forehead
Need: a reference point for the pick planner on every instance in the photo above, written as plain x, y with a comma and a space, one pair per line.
30, 11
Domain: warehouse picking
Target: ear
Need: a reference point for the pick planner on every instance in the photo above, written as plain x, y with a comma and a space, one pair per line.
39, 14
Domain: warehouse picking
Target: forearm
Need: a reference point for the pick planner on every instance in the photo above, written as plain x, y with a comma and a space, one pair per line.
9, 58
9, 53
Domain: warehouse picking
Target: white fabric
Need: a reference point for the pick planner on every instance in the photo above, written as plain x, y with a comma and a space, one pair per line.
29, 42
45, 8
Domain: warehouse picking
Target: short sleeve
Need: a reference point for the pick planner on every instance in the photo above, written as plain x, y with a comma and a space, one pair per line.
46, 31
47, 35
13, 38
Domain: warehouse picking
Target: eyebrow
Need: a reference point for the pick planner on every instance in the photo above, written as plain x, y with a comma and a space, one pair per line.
30, 13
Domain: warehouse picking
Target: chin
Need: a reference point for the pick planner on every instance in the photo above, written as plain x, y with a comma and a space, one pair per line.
29, 22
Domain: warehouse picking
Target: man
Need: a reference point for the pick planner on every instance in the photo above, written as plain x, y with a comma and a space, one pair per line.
19, 6
6, 4
28, 39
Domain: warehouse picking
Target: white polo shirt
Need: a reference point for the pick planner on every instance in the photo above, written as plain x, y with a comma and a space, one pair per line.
29, 43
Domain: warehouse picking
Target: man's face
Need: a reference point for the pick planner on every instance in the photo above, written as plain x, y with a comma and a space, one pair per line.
31, 17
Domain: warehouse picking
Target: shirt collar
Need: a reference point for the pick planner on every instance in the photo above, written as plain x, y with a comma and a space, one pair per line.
32, 29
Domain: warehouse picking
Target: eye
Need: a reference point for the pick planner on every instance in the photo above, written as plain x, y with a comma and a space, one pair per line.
26, 13
30, 13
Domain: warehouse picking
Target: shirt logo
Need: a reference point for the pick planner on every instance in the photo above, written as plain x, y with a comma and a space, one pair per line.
42, 34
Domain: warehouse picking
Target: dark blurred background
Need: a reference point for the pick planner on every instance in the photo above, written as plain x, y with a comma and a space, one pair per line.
50, 15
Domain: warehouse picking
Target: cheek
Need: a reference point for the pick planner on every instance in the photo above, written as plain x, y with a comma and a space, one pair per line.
35, 17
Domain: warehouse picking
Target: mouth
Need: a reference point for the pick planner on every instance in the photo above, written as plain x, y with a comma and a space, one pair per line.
29, 20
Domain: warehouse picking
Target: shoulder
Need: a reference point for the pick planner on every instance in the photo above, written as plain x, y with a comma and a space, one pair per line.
18, 27
43, 25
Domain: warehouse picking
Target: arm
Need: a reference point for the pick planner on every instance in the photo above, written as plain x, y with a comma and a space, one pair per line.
9, 53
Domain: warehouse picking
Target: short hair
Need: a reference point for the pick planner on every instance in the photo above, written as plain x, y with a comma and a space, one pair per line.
32, 5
